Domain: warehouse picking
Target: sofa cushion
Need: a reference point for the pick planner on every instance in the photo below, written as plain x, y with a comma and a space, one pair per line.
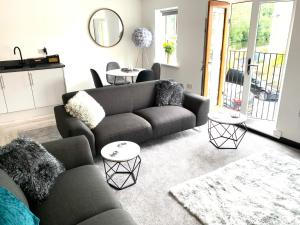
121, 98
77, 195
113, 99
122, 127
168, 119
143, 94
111, 217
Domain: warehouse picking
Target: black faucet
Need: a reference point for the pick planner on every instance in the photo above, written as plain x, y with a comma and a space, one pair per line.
22, 62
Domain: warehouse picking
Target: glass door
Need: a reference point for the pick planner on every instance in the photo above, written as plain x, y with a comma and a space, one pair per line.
266, 59
258, 38
239, 30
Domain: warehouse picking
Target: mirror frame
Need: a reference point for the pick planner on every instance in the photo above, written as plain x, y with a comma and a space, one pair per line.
122, 33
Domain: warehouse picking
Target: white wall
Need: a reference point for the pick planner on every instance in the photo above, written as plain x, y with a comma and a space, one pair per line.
288, 117
191, 26
62, 27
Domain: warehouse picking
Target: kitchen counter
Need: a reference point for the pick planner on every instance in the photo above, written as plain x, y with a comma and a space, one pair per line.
30, 68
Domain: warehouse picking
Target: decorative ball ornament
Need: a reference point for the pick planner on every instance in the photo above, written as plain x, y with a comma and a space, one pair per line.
142, 37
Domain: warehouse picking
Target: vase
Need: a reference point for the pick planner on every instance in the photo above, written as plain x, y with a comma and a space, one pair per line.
168, 58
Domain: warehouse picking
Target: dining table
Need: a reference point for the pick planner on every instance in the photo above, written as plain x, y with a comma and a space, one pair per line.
125, 72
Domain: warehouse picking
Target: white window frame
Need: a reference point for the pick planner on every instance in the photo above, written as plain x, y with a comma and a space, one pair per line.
161, 36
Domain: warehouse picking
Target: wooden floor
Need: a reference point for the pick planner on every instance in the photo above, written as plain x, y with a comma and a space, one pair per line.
9, 131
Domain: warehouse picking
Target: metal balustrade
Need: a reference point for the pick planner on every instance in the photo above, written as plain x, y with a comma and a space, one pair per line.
266, 78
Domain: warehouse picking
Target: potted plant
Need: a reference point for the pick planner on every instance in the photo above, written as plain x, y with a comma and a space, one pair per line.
169, 47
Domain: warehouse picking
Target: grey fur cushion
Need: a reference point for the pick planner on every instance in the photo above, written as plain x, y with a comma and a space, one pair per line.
169, 93
31, 166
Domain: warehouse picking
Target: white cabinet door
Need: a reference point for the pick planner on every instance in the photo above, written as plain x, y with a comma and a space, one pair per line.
17, 91
48, 86
3, 108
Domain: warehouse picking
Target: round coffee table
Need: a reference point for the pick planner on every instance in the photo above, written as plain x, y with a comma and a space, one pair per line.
122, 162
226, 129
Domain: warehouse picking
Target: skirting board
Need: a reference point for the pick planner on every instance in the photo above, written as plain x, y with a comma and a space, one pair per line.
280, 140
289, 142
23, 116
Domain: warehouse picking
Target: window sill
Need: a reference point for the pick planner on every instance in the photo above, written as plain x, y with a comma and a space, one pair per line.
170, 65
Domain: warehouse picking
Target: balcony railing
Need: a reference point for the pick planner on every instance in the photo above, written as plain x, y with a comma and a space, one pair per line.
265, 88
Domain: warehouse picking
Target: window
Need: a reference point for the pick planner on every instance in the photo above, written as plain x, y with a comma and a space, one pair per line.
166, 35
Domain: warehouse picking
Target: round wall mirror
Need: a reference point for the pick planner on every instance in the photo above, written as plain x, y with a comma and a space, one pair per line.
106, 27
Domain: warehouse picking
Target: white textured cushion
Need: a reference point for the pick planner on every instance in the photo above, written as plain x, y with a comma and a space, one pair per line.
85, 108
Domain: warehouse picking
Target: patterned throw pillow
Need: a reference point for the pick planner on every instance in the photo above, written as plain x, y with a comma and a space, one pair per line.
31, 166
169, 93
86, 108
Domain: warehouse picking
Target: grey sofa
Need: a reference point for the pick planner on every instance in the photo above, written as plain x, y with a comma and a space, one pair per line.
131, 115
80, 194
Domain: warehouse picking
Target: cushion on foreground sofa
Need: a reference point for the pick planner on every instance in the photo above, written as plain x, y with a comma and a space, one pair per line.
131, 114
80, 195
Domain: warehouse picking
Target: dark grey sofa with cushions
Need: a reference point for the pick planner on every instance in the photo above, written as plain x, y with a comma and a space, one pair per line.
80, 194
131, 115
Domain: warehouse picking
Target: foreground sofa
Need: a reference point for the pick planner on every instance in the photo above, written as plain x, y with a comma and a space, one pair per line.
80, 194
131, 115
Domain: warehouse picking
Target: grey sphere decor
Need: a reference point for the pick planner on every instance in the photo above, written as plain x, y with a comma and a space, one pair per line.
142, 37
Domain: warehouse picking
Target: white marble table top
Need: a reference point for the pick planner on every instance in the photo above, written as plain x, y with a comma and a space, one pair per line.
120, 73
227, 117
120, 151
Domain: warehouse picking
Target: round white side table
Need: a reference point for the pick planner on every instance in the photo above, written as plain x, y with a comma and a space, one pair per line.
226, 129
122, 163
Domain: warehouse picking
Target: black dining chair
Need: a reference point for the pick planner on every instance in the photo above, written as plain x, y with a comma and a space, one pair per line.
156, 68
96, 78
113, 79
145, 75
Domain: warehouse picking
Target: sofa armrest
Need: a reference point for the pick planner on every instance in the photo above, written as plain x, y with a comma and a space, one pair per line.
199, 105
72, 152
69, 126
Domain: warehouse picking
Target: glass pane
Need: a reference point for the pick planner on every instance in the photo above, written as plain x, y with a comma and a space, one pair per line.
240, 25
171, 36
271, 42
236, 55
171, 28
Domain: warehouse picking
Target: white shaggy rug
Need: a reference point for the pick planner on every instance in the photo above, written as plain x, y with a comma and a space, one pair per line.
260, 189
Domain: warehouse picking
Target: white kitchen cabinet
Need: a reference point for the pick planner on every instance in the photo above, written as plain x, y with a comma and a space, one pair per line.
47, 86
30, 90
3, 108
17, 91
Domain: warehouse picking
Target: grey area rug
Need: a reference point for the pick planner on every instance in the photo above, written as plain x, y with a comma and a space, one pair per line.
169, 161
260, 189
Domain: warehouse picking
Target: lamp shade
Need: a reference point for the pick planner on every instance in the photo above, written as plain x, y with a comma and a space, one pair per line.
142, 37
